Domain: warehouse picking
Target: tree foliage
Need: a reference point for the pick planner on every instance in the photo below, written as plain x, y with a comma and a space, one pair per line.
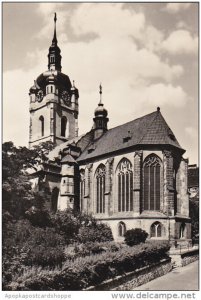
135, 236
17, 194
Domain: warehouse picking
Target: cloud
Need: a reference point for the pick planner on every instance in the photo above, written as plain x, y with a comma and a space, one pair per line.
47, 10
176, 7
161, 94
192, 132
123, 57
180, 42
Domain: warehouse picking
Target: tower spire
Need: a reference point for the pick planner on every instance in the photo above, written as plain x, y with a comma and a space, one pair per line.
54, 56
54, 40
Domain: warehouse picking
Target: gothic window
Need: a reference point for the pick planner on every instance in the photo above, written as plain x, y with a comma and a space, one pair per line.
64, 126
121, 229
41, 119
125, 185
152, 182
100, 189
51, 59
156, 230
82, 188
51, 89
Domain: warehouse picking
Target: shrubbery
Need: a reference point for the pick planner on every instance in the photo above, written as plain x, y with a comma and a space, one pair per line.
95, 233
135, 236
91, 270
90, 248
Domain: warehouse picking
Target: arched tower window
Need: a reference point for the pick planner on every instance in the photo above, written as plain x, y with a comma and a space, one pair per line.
41, 119
121, 228
64, 125
156, 230
100, 189
125, 185
82, 189
152, 183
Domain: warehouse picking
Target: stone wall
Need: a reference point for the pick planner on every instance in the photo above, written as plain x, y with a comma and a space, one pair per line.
185, 258
133, 279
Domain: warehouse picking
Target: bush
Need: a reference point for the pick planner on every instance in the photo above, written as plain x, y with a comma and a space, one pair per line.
91, 270
135, 236
66, 225
91, 248
95, 233
44, 248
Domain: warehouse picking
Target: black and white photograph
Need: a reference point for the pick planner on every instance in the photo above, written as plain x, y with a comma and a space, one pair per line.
100, 148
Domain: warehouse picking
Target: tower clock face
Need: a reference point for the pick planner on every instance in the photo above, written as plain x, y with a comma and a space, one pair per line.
65, 97
40, 96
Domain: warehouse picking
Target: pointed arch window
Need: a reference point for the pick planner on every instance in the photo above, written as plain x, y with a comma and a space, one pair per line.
121, 228
156, 230
41, 119
64, 127
152, 183
82, 189
125, 185
100, 189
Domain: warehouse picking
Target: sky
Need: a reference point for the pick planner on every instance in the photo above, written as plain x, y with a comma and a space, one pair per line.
144, 54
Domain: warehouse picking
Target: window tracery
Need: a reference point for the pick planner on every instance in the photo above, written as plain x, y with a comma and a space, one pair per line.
100, 189
152, 183
125, 186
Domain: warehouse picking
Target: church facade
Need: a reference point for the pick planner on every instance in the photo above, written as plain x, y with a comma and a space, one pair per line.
130, 176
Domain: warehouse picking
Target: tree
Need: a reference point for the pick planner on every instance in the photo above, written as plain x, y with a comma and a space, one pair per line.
17, 193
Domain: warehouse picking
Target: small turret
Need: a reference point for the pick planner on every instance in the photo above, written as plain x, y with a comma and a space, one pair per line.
100, 119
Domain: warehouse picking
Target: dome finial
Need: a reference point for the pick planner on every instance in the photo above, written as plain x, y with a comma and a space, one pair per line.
100, 92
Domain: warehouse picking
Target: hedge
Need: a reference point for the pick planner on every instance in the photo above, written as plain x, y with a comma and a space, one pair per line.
92, 270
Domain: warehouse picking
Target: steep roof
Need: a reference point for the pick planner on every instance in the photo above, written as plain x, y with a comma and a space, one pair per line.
150, 129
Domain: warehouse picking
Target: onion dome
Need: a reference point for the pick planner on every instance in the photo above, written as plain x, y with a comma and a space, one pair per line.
100, 111
100, 119
34, 88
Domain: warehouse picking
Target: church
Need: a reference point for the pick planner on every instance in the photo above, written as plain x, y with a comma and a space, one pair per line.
130, 176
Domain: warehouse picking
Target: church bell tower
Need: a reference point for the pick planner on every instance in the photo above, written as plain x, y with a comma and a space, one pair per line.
53, 102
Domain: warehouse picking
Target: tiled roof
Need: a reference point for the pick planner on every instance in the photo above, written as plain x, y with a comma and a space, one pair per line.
150, 129
55, 152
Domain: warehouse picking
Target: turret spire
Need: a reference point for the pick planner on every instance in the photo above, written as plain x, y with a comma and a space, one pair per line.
54, 57
54, 41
